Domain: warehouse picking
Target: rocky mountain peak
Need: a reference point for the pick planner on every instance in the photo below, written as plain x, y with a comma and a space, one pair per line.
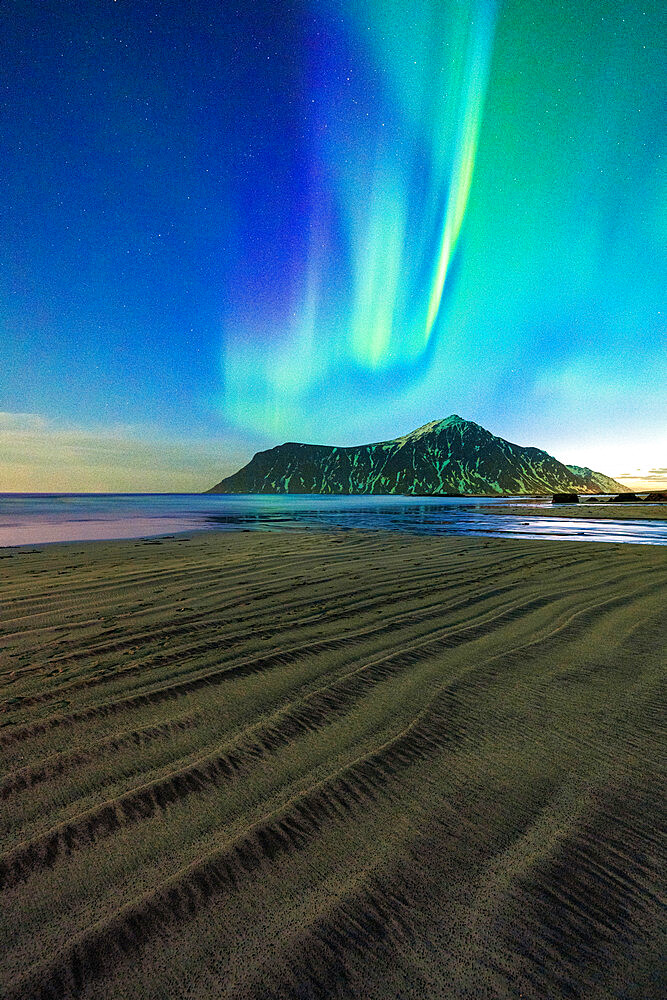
446, 456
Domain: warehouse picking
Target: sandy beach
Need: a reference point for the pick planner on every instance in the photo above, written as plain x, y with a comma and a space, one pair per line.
256, 766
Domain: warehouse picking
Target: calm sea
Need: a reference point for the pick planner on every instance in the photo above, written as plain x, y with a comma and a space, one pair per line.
29, 519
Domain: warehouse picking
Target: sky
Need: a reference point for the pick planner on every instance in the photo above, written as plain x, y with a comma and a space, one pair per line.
224, 227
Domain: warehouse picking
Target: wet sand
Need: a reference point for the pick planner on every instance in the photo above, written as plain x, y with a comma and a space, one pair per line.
592, 509
311, 765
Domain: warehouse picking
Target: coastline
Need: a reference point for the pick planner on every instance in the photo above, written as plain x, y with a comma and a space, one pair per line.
235, 762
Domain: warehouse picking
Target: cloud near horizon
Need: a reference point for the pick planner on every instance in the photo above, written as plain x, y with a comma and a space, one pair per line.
40, 456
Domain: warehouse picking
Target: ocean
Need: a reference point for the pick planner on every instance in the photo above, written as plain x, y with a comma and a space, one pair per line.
36, 519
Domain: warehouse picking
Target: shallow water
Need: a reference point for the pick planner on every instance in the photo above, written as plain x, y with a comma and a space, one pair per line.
29, 519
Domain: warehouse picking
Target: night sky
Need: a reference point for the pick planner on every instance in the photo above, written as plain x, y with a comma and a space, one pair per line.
226, 227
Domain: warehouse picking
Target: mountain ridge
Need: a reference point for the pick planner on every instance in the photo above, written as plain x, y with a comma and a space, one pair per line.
451, 455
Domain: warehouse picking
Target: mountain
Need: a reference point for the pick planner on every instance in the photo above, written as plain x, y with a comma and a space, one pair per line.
443, 456
599, 483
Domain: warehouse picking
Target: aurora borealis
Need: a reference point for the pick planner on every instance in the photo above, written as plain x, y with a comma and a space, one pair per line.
393, 112
329, 221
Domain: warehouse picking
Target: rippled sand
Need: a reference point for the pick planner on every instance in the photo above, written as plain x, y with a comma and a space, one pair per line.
315, 765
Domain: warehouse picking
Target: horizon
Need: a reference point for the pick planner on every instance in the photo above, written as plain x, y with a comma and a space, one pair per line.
656, 481
225, 229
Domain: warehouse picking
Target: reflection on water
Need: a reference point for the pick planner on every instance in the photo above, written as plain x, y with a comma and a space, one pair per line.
28, 519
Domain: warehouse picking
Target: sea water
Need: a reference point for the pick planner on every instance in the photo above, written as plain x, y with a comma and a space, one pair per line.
30, 519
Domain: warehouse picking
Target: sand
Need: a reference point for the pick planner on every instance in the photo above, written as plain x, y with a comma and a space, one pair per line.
352, 765
592, 510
